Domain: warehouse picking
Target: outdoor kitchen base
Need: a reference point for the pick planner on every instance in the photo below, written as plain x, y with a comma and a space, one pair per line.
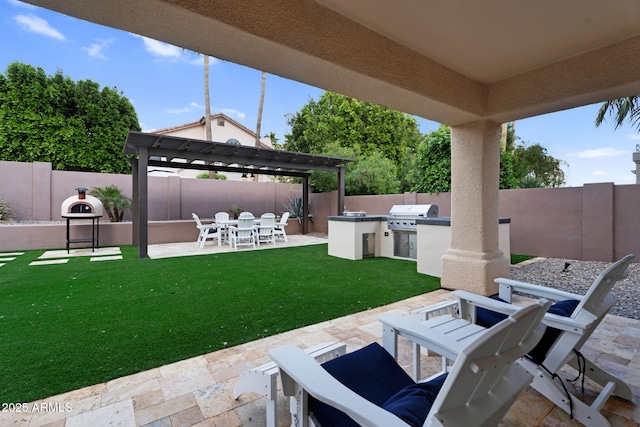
426, 245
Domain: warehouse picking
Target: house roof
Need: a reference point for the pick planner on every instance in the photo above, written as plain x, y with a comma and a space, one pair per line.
455, 62
219, 156
201, 122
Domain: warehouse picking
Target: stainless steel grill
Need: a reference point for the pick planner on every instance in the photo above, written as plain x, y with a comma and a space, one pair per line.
403, 217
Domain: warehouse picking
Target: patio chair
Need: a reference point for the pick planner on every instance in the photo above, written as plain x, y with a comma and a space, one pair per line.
571, 321
264, 230
221, 219
367, 387
278, 230
244, 233
206, 231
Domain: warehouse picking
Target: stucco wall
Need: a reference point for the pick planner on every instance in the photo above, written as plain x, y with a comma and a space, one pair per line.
593, 222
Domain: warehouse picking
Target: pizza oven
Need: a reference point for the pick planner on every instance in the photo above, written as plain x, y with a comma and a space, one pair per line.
81, 206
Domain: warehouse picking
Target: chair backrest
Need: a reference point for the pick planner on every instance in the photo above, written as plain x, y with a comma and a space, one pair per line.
245, 224
596, 300
284, 218
485, 380
267, 220
198, 223
221, 216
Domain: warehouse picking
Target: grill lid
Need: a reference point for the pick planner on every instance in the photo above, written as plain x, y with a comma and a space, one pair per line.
414, 211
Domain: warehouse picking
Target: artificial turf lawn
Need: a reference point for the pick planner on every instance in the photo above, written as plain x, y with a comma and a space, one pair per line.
66, 326
516, 259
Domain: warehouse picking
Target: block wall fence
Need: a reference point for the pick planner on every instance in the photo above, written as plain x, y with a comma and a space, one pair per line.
593, 222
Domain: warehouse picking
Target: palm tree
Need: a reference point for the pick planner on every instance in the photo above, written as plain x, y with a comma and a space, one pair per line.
207, 101
622, 109
260, 105
113, 200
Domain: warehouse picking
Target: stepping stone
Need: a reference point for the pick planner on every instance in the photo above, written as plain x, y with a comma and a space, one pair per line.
106, 258
49, 262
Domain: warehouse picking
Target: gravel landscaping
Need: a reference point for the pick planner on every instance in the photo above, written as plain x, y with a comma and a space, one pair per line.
579, 276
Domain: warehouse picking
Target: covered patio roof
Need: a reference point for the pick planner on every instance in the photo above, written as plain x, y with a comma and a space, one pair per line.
469, 65
188, 153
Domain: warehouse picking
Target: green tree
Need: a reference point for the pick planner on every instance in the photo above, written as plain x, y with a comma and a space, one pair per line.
372, 174
432, 169
364, 127
622, 109
522, 168
74, 125
534, 161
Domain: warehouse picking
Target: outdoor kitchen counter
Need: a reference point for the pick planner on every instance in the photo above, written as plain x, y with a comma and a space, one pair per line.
355, 236
349, 237
434, 239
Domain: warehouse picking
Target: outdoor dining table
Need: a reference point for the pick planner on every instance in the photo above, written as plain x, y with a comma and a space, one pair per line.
225, 223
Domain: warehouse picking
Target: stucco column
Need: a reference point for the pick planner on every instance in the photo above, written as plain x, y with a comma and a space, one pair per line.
474, 259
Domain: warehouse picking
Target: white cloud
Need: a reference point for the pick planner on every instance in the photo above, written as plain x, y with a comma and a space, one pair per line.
233, 112
160, 49
634, 136
96, 49
598, 153
600, 173
177, 110
196, 105
37, 25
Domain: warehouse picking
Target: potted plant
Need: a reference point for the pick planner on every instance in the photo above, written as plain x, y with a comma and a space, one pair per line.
235, 211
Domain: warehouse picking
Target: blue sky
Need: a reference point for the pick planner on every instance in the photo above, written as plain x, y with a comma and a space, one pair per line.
165, 85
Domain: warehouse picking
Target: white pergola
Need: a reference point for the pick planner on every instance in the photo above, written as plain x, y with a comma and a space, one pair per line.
470, 65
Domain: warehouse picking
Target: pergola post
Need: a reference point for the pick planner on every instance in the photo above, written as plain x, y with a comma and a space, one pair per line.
143, 202
135, 203
305, 204
341, 190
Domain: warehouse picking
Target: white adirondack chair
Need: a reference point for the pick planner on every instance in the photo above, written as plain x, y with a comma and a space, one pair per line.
221, 219
479, 390
264, 230
278, 230
566, 334
206, 231
244, 233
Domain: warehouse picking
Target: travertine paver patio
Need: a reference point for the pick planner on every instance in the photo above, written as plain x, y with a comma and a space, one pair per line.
199, 391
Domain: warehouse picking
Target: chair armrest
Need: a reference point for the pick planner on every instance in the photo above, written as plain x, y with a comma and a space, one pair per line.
568, 324
296, 366
537, 290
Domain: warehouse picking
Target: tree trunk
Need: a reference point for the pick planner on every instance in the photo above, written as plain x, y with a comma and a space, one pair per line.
207, 101
259, 124
207, 107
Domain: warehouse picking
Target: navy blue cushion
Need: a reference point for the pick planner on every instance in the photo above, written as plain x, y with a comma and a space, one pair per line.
414, 402
213, 230
488, 318
370, 372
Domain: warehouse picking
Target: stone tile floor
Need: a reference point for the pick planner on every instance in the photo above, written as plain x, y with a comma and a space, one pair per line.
199, 391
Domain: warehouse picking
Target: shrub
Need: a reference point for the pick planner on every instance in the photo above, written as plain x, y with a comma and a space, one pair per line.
114, 202
235, 211
6, 213
295, 208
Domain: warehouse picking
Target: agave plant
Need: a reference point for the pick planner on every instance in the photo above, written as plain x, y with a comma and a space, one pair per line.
6, 213
295, 208
113, 201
